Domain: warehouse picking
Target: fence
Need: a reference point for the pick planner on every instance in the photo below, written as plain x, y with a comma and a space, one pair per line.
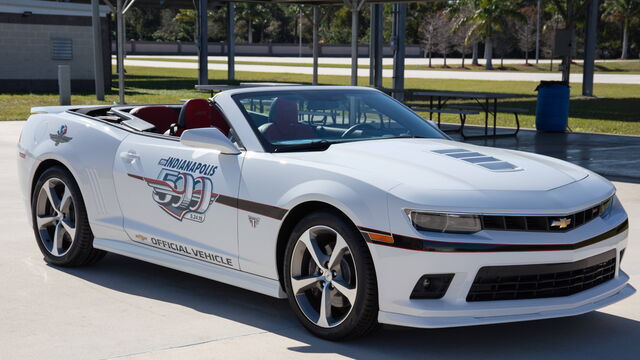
258, 49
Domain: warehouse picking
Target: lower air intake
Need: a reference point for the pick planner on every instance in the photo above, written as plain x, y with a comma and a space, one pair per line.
543, 280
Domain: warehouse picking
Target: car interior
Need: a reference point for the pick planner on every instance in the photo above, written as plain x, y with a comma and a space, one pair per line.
286, 118
167, 120
279, 118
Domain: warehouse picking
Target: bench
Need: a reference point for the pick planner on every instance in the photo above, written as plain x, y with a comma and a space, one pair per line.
461, 112
500, 109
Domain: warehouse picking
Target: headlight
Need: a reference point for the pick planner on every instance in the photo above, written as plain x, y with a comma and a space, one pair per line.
605, 207
440, 222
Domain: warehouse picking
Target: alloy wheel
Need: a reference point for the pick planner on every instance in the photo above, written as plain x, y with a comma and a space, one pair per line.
323, 276
56, 217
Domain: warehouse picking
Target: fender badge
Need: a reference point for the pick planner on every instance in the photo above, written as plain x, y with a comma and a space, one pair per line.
141, 237
254, 221
60, 135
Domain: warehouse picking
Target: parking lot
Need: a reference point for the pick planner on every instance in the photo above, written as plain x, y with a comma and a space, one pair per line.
127, 308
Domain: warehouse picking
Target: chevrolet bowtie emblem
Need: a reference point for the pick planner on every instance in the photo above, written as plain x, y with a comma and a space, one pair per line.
561, 223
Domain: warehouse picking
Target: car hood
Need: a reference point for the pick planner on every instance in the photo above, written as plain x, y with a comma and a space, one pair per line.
434, 164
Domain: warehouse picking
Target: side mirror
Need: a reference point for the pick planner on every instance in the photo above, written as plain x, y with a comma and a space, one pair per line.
208, 138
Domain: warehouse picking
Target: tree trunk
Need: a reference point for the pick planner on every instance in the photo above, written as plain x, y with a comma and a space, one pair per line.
625, 39
249, 32
502, 61
429, 57
445, 59
488, 54
463, 59
526, 58
474, 54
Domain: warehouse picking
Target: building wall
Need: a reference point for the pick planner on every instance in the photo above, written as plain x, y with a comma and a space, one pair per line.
26, 62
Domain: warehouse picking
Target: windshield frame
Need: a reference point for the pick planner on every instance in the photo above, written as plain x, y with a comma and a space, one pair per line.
275, 148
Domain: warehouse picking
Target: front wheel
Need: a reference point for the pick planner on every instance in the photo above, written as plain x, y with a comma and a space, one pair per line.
330, 279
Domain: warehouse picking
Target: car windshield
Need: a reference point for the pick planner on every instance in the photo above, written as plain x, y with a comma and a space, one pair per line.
306, 120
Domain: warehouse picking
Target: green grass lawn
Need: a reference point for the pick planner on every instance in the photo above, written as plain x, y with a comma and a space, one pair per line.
616, 110
626, 67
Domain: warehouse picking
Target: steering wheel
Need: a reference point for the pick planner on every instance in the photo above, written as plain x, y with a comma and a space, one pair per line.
361, 126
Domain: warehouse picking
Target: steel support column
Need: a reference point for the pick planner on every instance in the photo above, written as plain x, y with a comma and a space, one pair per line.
98, 67
372, 44
231, 41
354, 6
203, 43
376, 46
120, 42
590, 48
538, 11
354, 45
399, 30
315, 47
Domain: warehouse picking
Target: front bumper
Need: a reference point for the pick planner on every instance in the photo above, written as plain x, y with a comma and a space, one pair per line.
398, 270
519, 310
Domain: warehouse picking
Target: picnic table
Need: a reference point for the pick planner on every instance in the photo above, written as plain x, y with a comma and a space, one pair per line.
487, 103
221, 87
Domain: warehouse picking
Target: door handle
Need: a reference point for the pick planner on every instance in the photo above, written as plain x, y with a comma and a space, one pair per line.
129, 156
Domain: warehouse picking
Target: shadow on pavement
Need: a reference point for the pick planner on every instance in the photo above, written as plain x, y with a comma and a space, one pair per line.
615, 157
594, 335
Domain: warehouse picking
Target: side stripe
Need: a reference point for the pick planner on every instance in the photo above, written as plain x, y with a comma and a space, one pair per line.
271, 211
411, 243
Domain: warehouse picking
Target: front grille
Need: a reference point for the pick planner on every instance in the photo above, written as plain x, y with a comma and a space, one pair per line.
543, 280
543, 223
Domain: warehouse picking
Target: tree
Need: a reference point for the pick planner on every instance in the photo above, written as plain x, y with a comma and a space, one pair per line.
504, 45
429, 32
186, 20
461, 41
526, 32
168, 29
569, 10
625, 11
489, 17
444, 35
138, 21
548, 37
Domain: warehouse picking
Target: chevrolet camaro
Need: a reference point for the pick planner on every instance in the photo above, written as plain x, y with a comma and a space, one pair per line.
340, 199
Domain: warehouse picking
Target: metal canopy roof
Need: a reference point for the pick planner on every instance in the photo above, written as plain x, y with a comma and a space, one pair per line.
188, 4
399, 28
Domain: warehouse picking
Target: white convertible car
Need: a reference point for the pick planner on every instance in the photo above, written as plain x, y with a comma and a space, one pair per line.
340, 199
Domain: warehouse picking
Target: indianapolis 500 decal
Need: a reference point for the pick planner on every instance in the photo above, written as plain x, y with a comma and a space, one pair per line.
60, 136
183, 188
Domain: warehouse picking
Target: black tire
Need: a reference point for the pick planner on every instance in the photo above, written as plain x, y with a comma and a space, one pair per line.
362, 319
81, 251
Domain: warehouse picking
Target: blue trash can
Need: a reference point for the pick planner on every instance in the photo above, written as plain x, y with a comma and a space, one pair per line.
552, 108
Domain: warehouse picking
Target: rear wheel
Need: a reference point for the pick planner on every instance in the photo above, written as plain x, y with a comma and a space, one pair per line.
60, 220
330, 279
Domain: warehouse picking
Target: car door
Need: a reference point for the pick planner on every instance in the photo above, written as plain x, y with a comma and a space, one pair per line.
172, 197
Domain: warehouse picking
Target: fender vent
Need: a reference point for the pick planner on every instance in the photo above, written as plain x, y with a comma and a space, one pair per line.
94, 184
473, 157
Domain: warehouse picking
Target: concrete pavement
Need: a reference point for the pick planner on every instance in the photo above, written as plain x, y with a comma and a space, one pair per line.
415, 74
127, 308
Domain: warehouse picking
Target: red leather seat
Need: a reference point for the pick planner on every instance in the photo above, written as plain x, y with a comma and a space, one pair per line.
195, 113
218, 121
162, 117
284, 123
